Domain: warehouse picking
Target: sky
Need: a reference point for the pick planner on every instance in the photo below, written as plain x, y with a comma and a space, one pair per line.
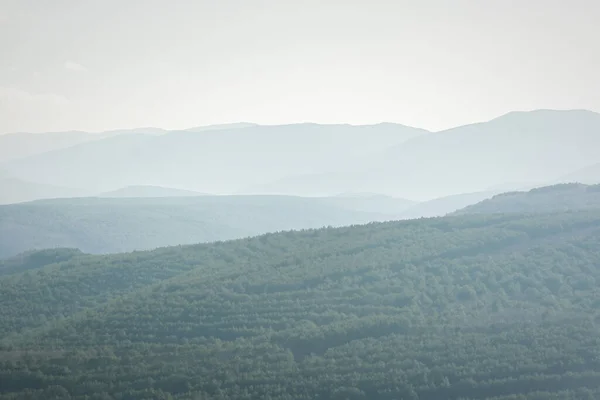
434, 64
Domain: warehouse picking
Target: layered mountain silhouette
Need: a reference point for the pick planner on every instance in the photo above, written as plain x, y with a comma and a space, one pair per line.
214, 161
23, 144
325, 160
536, 146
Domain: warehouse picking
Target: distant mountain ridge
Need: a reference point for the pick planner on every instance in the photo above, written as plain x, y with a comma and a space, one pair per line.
109, 225
536, 146
14, 146
324, 160
214, 161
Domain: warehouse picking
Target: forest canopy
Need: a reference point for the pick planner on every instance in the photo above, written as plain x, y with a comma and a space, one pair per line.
463, 307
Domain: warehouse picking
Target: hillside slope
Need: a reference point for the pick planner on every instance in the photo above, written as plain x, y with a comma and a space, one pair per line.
108, 225
36, 259
480, 307
562, 197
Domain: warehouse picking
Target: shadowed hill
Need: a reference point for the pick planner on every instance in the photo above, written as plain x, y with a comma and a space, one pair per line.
106, 225
36, 259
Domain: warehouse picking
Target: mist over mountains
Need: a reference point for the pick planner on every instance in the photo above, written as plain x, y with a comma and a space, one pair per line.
543, 146
249, 278
214, 161
538, 146
285, 200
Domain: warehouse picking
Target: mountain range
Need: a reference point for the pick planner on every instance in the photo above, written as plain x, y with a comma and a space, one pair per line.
212, 161
539, 147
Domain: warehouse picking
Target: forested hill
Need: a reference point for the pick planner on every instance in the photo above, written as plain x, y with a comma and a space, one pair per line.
110, 225
37, 259
561, 197
501, 306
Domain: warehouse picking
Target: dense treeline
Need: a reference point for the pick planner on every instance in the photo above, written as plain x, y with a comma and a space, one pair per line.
471, 307
36, 258
562, 197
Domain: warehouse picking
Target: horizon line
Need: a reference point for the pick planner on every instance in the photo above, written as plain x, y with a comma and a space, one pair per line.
305, 122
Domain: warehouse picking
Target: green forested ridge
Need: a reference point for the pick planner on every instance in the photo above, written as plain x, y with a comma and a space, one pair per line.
561, 197
501, 306
36, 259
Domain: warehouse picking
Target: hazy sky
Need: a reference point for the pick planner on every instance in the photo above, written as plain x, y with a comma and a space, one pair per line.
107, 64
